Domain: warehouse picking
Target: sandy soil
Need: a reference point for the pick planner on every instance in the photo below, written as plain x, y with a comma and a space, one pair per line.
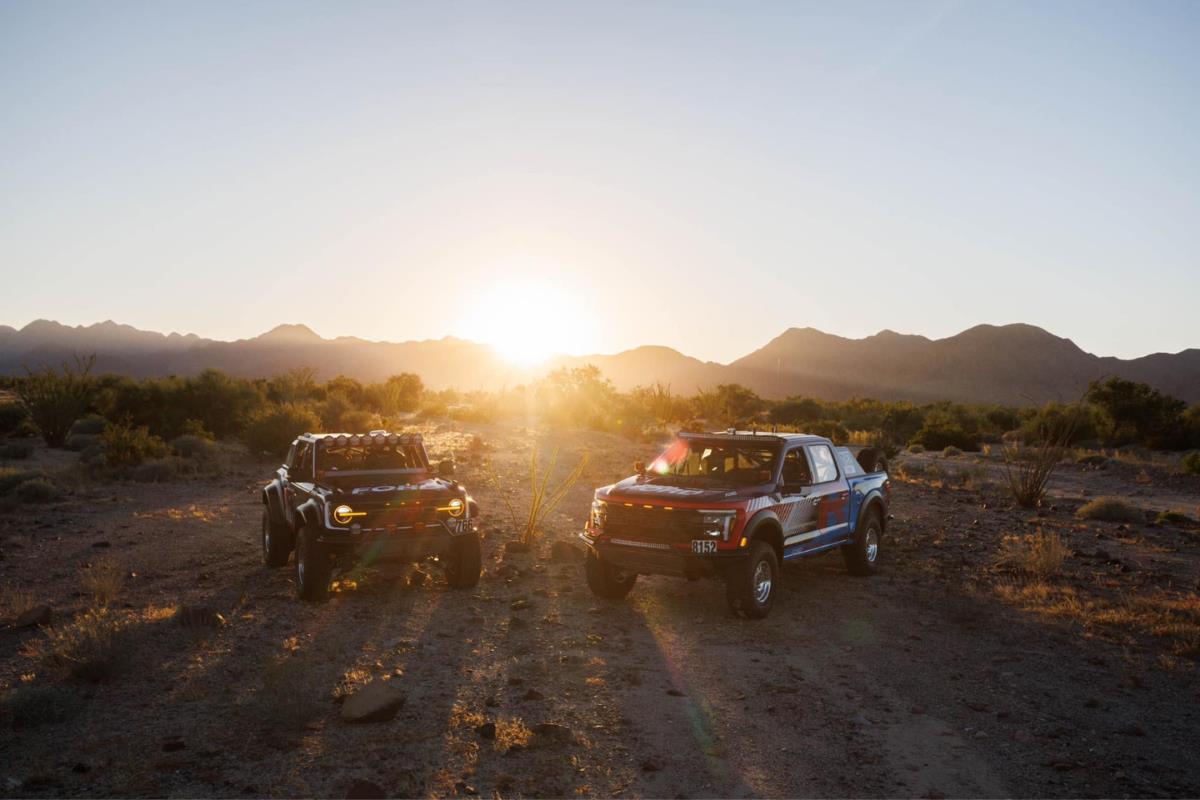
923, 681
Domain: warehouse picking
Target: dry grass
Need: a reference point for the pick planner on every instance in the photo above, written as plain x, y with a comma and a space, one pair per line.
1110, 509
1175, 618
82, 649
104, 581
15, 602
1039, 555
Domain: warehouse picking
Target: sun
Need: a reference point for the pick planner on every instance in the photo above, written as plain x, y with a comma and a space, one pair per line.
527, 322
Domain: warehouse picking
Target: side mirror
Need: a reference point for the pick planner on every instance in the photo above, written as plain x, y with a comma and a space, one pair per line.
445, 468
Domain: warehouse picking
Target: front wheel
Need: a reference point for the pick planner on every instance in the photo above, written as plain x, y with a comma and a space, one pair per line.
605, 580
750, 586
862, 554
314, 566
464, 562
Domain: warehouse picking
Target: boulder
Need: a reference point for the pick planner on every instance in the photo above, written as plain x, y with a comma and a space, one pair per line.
375, 702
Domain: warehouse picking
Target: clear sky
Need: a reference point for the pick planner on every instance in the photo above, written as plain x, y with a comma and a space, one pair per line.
602, 175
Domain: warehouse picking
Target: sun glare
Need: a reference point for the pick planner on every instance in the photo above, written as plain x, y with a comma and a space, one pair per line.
527, 323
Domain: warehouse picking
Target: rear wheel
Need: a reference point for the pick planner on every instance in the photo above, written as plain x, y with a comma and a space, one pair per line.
314, 566
751, 585
605, 580
464, 561
862, 554
276, 544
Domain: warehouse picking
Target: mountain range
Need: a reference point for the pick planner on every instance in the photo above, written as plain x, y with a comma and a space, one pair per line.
1011, 364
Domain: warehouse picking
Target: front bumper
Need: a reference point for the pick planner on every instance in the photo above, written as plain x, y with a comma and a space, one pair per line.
401, 544
652, 558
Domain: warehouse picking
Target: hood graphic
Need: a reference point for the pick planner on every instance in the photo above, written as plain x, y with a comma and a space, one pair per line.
383, 484
633, 489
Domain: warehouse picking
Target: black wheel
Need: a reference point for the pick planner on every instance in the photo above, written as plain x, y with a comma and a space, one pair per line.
464, 562
872, 459
313, 566
276, 544
751, 585
862, 554
605, 580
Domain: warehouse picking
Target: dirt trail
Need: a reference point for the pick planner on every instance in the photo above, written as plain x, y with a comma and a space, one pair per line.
898, 685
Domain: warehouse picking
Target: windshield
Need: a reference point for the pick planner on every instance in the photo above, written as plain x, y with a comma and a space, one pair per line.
370, 458
715, 463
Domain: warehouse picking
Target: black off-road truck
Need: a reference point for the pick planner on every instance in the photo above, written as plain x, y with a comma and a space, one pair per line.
344, 500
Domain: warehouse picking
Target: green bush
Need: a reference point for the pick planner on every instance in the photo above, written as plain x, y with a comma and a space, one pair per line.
37, 490
1110, 509
78, 442
11, 416
56, 399
16, 450
157, 470
11, 477
916, 449
194, 447
90, 425
358, 421
1176, 518
1191, 463
1136, 413
128, 446
273, 429
950, 451
829, 429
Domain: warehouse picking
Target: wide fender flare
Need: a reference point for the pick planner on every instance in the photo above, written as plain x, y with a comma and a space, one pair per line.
472, 508
765, 524
873, 501
272, 498
309, 513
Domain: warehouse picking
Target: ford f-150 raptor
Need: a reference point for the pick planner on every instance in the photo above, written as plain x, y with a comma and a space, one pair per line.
363, 498
735, 505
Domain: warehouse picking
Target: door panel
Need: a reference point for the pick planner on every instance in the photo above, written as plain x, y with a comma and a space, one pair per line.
830, 496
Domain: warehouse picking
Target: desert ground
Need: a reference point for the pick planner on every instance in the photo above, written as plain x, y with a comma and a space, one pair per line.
958, 671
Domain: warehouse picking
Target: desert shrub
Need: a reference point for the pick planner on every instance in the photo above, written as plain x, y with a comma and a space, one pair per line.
82, 649
157, 470
1110, 509
92, 456
829, 429
1191, 463
359, 421
577, 397
30, 706
273, 429
195, 427
194, 447
1135, 412
127, 446
397, 394
950, 451
103, 581
37, 490
11, 477
16, 450
56, 399
294, 386
796, 411
544, 498
91, 425
1028, 469
916, 449
1053, 418
11, 416
78, 442
1176, 518
1039, 555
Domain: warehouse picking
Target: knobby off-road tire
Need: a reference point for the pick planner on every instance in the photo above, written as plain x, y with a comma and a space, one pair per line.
605, 580
751, 585
464, 561
276, 543
862, 554
872, 459
314, 566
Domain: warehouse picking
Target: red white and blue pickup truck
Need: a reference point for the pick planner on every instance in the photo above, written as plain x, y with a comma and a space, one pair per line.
735, 505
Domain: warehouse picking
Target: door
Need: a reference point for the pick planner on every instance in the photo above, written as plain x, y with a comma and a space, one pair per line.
830, 496
300, 481
796, 511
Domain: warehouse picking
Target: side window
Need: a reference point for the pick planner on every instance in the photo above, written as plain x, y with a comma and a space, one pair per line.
290, 461
304, 468
850, 465
824, 467
795, 469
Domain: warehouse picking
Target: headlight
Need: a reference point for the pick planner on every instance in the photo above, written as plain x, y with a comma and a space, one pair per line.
717, 523
455, 507
599, 513
344, 513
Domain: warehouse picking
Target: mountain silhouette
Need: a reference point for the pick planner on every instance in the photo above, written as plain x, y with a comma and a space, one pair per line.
1009, 364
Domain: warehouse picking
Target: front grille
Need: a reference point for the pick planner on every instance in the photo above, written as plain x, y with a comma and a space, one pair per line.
655, 523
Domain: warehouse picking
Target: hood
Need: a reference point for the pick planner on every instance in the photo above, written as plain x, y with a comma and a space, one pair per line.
639, 490
382, 485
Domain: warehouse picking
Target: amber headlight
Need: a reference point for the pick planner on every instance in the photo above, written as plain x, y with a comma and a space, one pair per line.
344, 513
456, 507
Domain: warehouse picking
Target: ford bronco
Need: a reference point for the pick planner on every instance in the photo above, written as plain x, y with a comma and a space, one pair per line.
357, 499
735, 505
